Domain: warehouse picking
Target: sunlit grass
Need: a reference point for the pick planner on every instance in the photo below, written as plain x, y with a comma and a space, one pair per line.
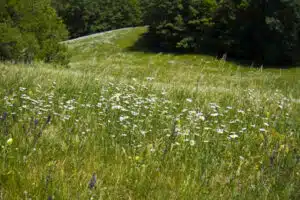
120, 124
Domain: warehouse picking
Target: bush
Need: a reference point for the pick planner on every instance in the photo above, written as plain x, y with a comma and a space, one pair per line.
266, 32
30, 30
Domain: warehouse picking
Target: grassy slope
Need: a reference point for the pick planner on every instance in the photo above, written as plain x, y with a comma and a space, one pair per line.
109, 54
165, 149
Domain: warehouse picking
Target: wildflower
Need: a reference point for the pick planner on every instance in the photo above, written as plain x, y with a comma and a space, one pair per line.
202, 118
241, 111
177, 144
36, 121
131, 87
50, 197
149, 78
189, 100
233, 136
93, 181
214, 114
70, 101
88, 105
192, 142
134, 113
214, 105
220, 130
137, 158
266, 124
143, 133
262, 130
116, 107
122, 118
99, 105
71, 108
5, 114
22, 89
66, 117
9, 141
192, 112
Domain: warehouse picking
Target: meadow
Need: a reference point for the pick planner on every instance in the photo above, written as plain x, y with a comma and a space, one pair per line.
119, 123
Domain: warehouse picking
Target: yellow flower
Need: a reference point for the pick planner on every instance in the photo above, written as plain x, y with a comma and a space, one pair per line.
137, 158
9, 141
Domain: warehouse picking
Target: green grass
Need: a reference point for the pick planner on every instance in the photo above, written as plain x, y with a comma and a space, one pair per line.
149, 126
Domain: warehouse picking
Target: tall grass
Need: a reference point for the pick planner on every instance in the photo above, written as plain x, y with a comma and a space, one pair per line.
148, 126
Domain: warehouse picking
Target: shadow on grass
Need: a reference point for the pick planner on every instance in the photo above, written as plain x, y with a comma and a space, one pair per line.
146, 44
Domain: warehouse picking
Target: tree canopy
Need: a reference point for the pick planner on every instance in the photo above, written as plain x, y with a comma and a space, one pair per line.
266, 32
30, 30
84, 17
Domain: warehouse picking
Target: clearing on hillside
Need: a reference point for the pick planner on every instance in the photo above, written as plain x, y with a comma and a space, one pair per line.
127, 124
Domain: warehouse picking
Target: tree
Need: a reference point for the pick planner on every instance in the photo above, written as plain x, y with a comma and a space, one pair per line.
84, 17
30, 29
264, 31
180, 24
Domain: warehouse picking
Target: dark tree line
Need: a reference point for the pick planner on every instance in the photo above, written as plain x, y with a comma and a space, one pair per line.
84, 17
264, 31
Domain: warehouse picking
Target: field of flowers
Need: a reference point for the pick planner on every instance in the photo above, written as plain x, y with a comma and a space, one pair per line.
73, 134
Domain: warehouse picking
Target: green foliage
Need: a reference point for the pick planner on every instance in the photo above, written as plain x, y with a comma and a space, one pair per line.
266, 32
84, 17
30, 30
263, 31
145, 5
180, 24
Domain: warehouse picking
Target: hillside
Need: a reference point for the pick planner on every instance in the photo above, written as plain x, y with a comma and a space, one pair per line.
121, 123
109, 54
